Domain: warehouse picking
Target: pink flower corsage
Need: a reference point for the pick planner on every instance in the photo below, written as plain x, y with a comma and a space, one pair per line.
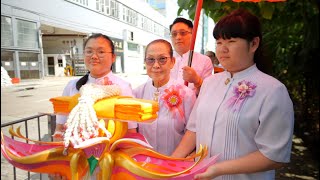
173, 98
104, 81
241, 92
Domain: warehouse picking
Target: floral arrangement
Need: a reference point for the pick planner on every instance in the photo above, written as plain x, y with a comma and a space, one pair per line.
82, 123
173, 98
241, 92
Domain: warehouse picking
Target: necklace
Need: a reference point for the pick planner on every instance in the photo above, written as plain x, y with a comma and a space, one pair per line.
156, 95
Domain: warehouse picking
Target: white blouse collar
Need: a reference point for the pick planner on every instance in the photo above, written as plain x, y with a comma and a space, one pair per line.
243, 73
94, 80
162, 88
183, 55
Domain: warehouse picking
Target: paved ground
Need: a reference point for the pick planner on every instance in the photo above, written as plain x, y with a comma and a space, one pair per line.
30, 97
303, 165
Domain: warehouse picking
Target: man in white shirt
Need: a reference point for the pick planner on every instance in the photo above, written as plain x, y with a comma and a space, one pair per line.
201, 67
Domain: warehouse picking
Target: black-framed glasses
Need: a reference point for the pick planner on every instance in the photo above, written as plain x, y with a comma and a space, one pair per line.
161, 60
182, 33
99, 53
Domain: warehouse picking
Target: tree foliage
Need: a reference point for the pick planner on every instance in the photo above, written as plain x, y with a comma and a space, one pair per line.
291, 35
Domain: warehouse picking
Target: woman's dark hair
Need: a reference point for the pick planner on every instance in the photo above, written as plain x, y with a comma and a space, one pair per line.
160, 41
83, 80
242, 24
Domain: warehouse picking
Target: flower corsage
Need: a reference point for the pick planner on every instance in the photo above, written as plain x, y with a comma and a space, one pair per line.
173, 98
241, 92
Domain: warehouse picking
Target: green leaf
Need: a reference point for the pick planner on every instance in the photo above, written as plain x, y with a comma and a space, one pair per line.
183, 4
267, 10
280, 6
192, 11
179, 11
92, 164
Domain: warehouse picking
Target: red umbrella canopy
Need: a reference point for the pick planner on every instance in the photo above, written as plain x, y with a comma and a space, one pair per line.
252, 0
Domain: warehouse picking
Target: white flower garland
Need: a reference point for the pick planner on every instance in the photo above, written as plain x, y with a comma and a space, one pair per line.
82, 123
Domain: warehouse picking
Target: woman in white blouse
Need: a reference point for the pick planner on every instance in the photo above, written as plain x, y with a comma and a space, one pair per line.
242, 114
175, 100
98, 57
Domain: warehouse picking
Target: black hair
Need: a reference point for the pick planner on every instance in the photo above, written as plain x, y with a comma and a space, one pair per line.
182, 20
160, 41
83, 80
242, 24
98, 35
214, 54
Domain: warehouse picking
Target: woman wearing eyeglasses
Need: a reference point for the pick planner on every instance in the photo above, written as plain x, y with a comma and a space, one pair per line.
175, 100
201, 67
98, 57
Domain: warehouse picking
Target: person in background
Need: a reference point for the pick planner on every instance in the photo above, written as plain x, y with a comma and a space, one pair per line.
98, 57
242, 114
175, 99
215, 62
201, 67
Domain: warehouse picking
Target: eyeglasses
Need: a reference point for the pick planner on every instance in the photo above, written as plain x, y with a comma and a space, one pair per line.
99, 53
182, 33
161, 60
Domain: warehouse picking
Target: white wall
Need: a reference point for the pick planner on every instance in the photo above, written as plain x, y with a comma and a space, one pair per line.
66, 15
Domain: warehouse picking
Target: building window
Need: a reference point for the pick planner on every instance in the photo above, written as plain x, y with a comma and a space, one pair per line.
60, 64
27, 34
103, 6
6, 31
81, 2
133, 47
98, 5
155, 28
124, 14
7, 62
132, 17
114, 9
147, 24
107, 6
139, 21
129, 16
29, 66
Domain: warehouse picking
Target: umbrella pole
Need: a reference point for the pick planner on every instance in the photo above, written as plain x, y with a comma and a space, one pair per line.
194, 33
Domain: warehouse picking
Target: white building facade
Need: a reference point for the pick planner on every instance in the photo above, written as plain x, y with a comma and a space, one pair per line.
39, 38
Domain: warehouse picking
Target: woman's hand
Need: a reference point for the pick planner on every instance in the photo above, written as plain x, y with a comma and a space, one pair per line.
209, 174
